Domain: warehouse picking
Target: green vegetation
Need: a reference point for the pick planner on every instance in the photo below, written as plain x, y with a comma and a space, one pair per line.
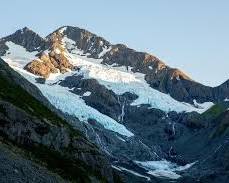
61, 164
19, 97
222, 128
2, 110
222, 125
68, 168
213, 112
208, 117
16, 95
196, 122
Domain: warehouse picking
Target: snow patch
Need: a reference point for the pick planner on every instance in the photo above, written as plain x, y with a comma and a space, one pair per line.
17, 55
86, 94
120, 138
163, 168
130, 171
62, 30
116, 168
205, 105
53, 76
71, 47
105, 50
226, 100
57, 51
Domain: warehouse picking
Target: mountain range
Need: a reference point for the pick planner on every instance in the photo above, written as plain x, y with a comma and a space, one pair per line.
78, 108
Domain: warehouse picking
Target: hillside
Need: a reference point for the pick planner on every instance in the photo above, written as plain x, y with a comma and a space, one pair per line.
36, 135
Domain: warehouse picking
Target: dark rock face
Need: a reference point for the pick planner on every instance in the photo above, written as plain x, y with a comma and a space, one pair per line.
3, 48
164, 78
86, 41
118, 108
208, 145
25, 37
30, 132
222, 90
16, 168
102, 99
188, 90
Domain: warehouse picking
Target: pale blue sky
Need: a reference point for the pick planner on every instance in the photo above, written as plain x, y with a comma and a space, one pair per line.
192, 35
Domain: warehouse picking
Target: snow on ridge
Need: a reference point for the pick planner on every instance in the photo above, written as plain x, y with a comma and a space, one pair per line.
226, 100
121, 80
63, 29
105, 50
71, 45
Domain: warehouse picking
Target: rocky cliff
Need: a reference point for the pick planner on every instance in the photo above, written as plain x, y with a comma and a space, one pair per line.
159, 75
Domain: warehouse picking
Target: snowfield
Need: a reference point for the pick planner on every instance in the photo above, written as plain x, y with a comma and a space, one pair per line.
17, 55
163, 168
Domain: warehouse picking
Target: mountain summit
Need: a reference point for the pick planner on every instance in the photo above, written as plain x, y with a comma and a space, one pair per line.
157, 74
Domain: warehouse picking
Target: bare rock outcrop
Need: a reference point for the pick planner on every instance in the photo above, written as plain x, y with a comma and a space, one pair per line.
53, 61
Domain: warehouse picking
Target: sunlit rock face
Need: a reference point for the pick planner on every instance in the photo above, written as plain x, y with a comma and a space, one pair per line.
53, 60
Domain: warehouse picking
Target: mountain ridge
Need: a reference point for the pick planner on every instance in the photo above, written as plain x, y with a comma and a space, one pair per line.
160, 76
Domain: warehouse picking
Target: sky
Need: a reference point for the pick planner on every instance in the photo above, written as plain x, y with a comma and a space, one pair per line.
192, 35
